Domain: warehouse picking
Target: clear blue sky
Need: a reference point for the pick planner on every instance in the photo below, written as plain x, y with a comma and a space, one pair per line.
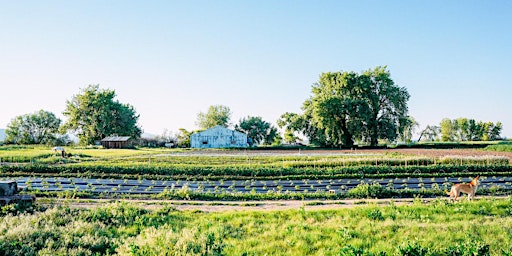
173, 59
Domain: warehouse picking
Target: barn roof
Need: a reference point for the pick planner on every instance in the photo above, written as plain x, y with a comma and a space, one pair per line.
218, 128
116, 138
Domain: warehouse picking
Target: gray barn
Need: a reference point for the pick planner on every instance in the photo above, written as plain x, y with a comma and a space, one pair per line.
218, 137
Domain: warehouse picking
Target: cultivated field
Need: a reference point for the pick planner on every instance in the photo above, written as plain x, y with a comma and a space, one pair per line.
256, 202
254, 174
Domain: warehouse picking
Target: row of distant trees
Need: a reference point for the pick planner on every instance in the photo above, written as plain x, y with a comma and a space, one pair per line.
462, 129
344, 108
91, 115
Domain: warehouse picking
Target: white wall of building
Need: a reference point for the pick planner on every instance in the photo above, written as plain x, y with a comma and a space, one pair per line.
218, 137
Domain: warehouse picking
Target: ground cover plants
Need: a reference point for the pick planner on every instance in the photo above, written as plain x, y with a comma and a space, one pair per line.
480, 227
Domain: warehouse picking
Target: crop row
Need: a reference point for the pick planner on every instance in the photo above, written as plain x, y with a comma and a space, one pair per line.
267, 161
248, 186
255, 172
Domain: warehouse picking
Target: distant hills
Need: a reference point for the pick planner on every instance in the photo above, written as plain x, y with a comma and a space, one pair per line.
2, 134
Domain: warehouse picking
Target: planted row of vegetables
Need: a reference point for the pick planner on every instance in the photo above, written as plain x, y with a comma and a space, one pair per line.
256, 172
142, 186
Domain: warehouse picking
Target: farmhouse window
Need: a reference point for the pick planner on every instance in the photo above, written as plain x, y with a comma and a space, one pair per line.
205, 142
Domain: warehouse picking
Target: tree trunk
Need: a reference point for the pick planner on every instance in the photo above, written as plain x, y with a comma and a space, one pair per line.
347, 136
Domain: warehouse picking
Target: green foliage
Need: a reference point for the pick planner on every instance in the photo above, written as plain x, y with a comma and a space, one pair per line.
94, 114
409, 126
41, 127
463, 129
18, 208
346, 106
500, 147
413, 249
369, 191
386, 115
216, 115
435, 228
471, 246
447, 130
375, 214
257, 130
183, 138
295, 124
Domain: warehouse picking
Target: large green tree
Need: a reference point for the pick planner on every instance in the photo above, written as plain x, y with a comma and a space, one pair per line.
296, 125
94, 114
41, 127
258, 130
347, 106
216, 115
386, 103
336, 107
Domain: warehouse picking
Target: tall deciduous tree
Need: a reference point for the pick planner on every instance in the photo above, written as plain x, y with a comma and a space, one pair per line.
94, 114
41, 127
258, 130
447, 130
337, 107
386, 116
216, 115
346, 106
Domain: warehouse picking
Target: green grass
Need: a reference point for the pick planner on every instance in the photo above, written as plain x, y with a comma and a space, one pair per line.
482, 227
504, 147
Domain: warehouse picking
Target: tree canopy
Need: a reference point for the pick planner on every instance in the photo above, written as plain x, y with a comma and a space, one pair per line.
41, 127
216, 115
464, 129
347, 106
257, 130
93, 114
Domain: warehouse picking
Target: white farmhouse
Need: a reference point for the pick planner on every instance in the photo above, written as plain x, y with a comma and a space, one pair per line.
218, 137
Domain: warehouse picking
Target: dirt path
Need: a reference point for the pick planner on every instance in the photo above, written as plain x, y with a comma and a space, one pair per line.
224, 206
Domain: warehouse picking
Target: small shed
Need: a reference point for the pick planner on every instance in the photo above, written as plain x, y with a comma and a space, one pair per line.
218, 137
115, 142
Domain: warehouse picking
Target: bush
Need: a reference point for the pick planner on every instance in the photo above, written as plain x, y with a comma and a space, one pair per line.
468, 248
413, 249
369, 191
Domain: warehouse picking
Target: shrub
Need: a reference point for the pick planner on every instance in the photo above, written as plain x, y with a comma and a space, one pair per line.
412, 249
369, 191
468, 248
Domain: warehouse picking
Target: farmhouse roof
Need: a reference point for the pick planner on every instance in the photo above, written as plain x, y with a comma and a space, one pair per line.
116, 138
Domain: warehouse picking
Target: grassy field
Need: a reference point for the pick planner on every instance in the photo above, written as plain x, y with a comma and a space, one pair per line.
482, 227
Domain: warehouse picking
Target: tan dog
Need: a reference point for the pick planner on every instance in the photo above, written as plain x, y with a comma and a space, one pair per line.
467, 188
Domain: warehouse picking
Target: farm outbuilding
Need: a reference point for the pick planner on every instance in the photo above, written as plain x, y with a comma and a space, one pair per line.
116, 142
218, 137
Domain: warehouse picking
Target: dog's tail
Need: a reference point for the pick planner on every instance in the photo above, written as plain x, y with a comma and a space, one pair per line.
448, 193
